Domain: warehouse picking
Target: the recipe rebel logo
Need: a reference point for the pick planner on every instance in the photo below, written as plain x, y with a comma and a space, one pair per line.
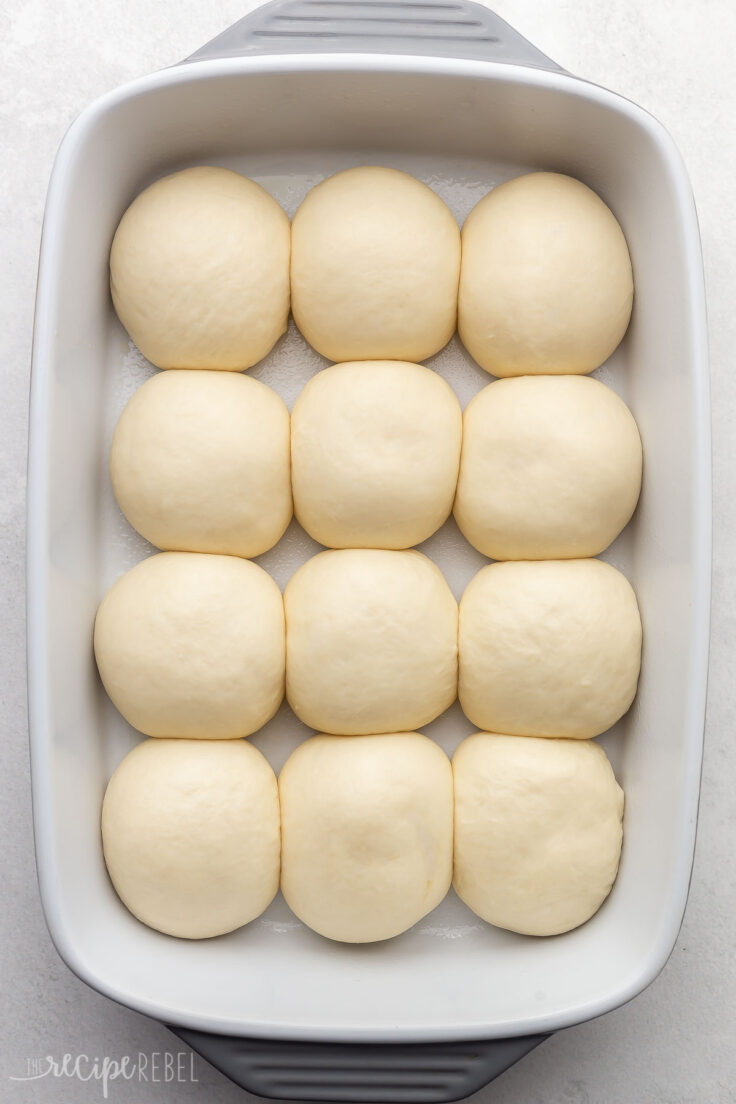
157, 1067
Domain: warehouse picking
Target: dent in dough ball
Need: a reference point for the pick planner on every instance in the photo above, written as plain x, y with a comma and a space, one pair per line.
550, 468
193, 645
199, 270
190, 831
375, 265
546, 283
375, 454
371, 641
367, 833
548, 648
200, 463
537, 830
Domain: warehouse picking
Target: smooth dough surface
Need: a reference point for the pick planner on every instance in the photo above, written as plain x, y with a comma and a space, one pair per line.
546, 283
375, 454
367, 833
192, 645
548, 648
550, 469
190, 831
371, 641
199, 270
538, 830
200, 463
375, 265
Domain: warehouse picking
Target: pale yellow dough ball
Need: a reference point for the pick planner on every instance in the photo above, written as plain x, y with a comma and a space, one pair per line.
199, 270
371, 641
193, 646
548, 648
190, 832
375, 454
538, 830
367, 833
375, 265
546, 284
551, 468
200, 463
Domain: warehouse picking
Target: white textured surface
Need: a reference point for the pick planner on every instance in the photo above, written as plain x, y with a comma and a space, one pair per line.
674, 1043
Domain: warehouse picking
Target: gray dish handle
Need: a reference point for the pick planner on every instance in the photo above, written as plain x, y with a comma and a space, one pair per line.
434, 28
370, 1073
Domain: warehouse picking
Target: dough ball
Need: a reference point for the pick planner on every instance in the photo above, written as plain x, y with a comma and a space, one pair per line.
367, 833
546, 284
375, 264
193, 646
537, 830
375, 454
200, 463
371, 641
190, 831
550, 469
199, 270
550, 648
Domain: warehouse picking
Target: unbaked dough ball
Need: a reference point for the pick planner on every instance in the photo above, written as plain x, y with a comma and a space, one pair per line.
200, 463
537, 830
546, 282
193, 645
371, 641
375, 454
550, 469
550, 648
190, 831
367, 833
375, 264
199, 270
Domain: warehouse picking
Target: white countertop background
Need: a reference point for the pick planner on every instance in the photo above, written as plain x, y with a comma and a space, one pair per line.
676, 1043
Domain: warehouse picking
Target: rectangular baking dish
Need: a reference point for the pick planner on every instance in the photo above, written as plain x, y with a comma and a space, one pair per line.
294, 92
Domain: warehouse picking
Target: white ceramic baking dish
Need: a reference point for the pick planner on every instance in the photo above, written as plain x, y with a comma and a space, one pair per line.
294, 92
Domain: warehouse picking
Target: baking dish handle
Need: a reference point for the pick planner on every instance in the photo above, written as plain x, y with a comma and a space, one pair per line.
435, 28
374, 1073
